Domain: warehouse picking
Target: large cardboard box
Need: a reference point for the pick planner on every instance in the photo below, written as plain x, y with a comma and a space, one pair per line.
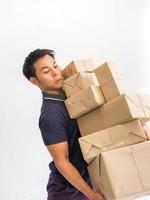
114, 137
83, 65
111, 80
78, 82
123, 173
122, 109
126, 108
84, 101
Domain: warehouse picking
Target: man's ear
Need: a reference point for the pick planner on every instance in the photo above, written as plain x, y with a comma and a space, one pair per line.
34, 80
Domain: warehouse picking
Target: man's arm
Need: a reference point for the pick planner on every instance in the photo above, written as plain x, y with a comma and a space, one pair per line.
59, 152
147, 131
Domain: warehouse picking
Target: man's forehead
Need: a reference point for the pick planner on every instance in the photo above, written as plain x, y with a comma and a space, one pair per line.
45, 60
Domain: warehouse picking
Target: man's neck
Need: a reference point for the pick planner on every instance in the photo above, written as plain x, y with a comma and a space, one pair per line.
58, 91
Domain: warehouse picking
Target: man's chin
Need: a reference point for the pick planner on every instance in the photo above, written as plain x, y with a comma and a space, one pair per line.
58, 87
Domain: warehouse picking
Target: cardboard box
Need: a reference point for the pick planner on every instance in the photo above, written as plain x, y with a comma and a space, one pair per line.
114, 137
114, 88
126, 108
84, 101
123, 173
111, 80
91, 122
145, 102
108, 71
83, 65
122, 109
78, 82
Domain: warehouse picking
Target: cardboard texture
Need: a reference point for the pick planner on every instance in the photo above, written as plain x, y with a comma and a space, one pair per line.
122, 109
114, 137
123, 173
126, 108
145, 101
111, 80
83, 65
84, 101
114, 88
78, 82
91, 122
108, 71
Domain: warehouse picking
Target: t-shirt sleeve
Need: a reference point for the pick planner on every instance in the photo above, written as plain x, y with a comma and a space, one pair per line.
53, 127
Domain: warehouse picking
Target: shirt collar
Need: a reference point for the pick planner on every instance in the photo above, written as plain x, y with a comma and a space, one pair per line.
56, 97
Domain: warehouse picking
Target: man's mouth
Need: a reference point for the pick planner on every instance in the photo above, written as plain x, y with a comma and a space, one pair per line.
60, 80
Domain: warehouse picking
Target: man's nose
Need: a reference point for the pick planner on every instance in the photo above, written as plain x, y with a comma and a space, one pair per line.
55, 71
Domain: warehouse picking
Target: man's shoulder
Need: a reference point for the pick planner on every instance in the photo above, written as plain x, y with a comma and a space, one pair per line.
52, 112
49, 108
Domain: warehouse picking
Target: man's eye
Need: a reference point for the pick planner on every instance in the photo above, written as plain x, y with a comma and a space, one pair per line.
46, 72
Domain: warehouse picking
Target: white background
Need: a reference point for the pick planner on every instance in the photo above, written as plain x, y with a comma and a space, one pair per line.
114, 30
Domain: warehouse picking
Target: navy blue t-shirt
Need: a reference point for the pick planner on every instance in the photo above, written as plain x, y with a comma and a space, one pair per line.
56, 126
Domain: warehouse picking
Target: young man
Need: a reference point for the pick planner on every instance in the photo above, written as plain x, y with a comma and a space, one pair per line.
69, 178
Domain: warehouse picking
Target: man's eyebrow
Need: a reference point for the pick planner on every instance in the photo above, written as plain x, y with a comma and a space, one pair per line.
47, 66
44, 67
54, 62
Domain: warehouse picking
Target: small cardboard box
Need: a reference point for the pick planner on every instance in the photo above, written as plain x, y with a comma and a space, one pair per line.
84, 101
122, 109
83, 65
123, 173
114, 137
111, 80
91, 122
108, 71
78, 82
114, 88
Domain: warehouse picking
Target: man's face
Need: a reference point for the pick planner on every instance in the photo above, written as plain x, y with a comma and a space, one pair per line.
48, 73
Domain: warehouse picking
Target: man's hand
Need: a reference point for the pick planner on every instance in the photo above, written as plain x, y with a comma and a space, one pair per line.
59, 152
96, 196
147, 131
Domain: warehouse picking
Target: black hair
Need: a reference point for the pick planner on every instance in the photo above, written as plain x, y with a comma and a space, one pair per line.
28, 69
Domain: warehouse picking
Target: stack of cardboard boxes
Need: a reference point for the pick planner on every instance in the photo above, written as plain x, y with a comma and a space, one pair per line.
110, 119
